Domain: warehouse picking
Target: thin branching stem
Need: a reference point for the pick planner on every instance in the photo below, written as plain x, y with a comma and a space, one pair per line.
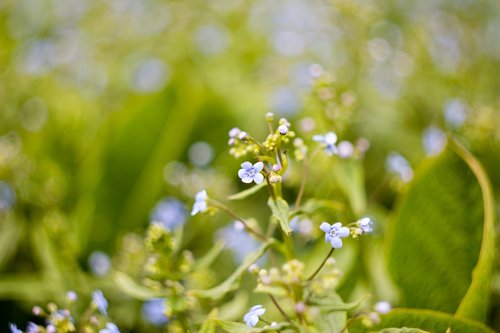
280, 309
321, 265
231, 213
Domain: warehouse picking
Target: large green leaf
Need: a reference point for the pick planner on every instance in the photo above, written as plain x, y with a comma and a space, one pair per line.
427, 320
435, 239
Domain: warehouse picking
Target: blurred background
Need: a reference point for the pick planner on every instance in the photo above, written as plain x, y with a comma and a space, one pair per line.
114, 111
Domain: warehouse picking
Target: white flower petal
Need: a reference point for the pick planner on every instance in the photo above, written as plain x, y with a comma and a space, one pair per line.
330, 138
247, 180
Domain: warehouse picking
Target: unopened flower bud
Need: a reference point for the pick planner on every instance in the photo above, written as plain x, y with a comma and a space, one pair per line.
275, 179
269, 116
300, 307
234, 132
254, 269
37, 311
243, 135
283, 129
231, 142
276, 167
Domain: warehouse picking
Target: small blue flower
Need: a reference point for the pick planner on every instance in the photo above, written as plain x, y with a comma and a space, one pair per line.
71, 296
237, 240
365, 224
328, 140
100, 302
110, 328
249, 173
169, 212
334, 233
32, 328
200, 203
99, 263
252, 317
153, 311
14, 329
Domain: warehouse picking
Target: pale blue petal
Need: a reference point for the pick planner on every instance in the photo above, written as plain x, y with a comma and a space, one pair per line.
325, 227
343, 232
258, 178
318, 138
336, 242
242, 173
337, 225
259, 312
258, 166
246, 165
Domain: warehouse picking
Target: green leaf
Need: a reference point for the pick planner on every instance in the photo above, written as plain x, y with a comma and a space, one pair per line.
209, 324
233, 327
427, 320
331, 320
131, 288
209, 257
10, 232
335, 303
350, 178
475, 303
231, 283
272, 290
435, 240
281, 212
248, 192
403, 330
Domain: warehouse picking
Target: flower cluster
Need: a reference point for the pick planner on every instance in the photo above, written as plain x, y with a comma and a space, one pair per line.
61, 320
335, 232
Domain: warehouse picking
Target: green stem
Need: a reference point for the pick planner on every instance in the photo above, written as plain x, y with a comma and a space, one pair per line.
321, 265
305, 169
280, 309
229, 212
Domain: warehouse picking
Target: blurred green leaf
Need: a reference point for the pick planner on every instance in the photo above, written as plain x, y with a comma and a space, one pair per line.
248, 192
231, 283
281, 212
10, 232
272, 290
131, 288
435, 238
334, 303
349, 176
233, 327
427, 320
209, 324
402, 330
209, 257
